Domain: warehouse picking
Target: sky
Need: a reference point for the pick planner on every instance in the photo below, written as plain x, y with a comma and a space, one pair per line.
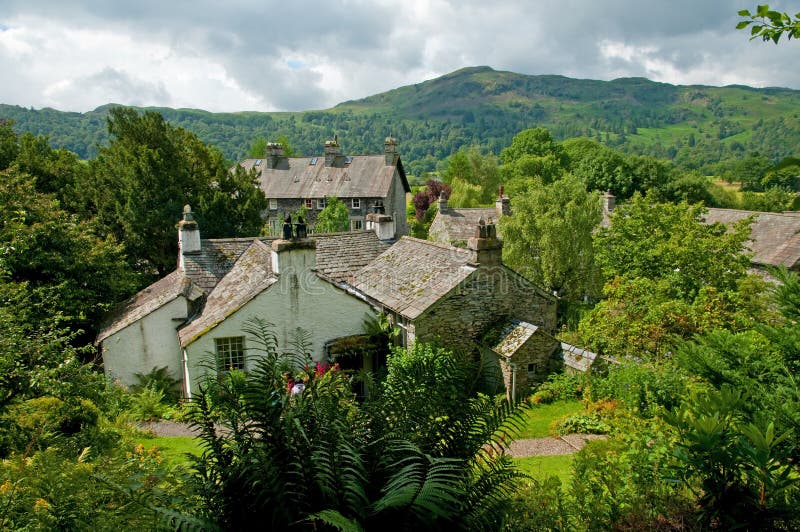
295, 55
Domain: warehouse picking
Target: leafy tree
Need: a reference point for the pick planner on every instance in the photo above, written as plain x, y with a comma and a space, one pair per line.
9, 146
537, 142
334, 218
258, 148
532, 154
141, 181
549, 238
769, 25
473, 176
427, 197
600, 167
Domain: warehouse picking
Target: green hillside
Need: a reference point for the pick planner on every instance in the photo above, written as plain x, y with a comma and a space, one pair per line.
694, 125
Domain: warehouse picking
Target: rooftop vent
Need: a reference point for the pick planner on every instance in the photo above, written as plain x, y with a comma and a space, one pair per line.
348, 160
257, 163
313, 161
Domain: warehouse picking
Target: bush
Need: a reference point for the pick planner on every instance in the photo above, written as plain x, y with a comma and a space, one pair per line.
582, 424
159, 379
646, 389
540, 506
558, 387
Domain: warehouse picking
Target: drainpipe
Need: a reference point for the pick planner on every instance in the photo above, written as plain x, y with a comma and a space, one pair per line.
187, 383
513, 381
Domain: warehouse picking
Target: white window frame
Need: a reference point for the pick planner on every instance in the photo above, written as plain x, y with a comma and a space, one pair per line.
230, 353
275, 226
356, 203
356, 221
273, 204
309, 204
320, 204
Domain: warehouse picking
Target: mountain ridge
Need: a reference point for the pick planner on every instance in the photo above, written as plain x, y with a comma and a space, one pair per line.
695, 125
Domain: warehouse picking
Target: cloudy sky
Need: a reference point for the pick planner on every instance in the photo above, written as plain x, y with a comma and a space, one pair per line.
296, 55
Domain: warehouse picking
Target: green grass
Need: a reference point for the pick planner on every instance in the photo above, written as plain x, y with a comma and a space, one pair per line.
539, 417
542, 467
173, 448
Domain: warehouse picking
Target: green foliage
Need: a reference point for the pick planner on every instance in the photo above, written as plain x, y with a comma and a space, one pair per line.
549, 238
646, 389
158, 379
563, 386
583, 423
769, 25
473, 176
334, 218
540, 505
141, 181
742, 469
9, 145
295, 460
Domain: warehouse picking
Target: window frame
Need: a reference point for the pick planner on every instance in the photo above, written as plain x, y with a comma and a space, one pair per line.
309, 203
321, 204
229, 352
273, 204
356, 221
355, 203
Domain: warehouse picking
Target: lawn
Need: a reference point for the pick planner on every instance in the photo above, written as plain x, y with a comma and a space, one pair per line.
542, 467
539, 417
173, 448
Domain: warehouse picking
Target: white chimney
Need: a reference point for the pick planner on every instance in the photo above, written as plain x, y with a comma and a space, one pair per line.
382, 224
188, 235
293, 256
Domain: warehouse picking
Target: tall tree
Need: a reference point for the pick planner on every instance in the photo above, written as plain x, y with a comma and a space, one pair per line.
549, 238
149, 171
470, 170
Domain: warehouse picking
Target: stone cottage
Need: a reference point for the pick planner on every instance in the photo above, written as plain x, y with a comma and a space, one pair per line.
327, 284
365, 183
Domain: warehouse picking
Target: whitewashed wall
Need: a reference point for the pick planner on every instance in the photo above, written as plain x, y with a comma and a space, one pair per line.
304, 301
145, 344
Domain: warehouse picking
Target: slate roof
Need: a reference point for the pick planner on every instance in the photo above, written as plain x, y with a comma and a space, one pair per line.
146, 301
340, 255
365, 176
250, 276
576, 357
215, 258
774, 237
413, 274
456, 226
513, 336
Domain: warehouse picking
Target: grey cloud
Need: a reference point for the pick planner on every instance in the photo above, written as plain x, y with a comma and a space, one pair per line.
115, 86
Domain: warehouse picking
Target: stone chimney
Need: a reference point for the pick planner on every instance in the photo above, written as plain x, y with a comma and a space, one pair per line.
382, 224
503, 204
442, 201
331, 150
274, 154
487, 249
609, 200
188, 235
293, 257
390, 151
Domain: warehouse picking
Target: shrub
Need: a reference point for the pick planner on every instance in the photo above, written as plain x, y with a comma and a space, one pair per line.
540, 506
581, 424
645, 388
542, 397
159, 379
561, 387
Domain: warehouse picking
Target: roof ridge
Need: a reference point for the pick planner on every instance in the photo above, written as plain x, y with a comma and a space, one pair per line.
435, 244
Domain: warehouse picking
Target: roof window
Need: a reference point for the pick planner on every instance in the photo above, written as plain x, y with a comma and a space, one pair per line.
257, 163
313, 161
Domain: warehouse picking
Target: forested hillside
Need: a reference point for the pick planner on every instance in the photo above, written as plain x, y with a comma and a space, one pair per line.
696, 126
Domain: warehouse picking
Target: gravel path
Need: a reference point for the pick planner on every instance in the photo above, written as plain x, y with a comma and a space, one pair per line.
568, 444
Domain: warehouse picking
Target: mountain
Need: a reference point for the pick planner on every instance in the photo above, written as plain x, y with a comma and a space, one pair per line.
696, 126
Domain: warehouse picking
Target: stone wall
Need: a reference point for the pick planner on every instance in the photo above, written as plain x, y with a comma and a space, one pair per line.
488, 296
538, 350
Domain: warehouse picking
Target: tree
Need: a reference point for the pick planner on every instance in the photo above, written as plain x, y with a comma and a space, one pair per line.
769, 25
470, 170
549, 238
9, 146
334, 218
532, 154
150, 170
600, 167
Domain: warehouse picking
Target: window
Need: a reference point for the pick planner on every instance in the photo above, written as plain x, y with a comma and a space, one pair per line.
356, 224
230, 353
273, 204
533, 369
321, 203
356, 203
313, 161
257, 163
309, 204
